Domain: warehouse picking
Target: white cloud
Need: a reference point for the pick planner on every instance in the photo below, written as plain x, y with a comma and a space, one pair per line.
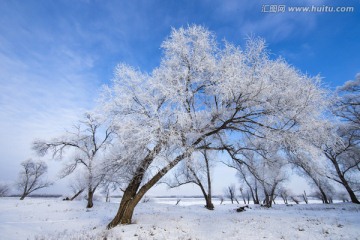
41, 94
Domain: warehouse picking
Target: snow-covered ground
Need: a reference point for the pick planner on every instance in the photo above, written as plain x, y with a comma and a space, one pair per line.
39, 218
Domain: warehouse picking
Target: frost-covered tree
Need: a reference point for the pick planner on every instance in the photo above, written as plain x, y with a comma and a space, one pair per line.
244, 195
31, 177
284, 193
245, 176
347, 105
345, 154
78, 184
4, 189
87, 142
315, 171
263, 161
196, 170
230, 193
204, 92
345, 160
269, 168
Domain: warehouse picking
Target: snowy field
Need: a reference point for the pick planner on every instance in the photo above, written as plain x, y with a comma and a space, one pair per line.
40, 218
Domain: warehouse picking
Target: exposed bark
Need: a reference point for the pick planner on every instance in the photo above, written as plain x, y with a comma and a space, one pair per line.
90, 196
209, 204
133, 193
126, 208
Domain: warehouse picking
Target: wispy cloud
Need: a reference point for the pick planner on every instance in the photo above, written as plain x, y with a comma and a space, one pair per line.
43, 90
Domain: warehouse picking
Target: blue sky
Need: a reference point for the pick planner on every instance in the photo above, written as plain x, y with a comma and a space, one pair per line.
55, 55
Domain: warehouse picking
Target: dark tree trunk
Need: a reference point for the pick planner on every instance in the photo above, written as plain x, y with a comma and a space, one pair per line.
133, 193
267, 201
323, 195
207, 196
77, 194
126, 209
209, 205
90, 203
351, 193
270, 197
131, 198
284, 198
256, 195
306, 198
343, 180
107, 196
25, 193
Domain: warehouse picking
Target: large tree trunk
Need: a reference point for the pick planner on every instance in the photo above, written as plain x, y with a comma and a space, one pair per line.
209, 205
208, 201
129, 201
127, 205
132, 195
